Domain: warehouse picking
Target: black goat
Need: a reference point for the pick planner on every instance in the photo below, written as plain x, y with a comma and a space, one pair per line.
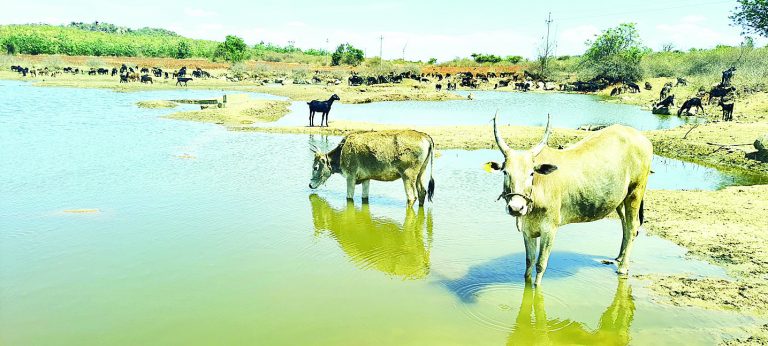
669, 101
688, 104
323, 107
727, 108
184, 80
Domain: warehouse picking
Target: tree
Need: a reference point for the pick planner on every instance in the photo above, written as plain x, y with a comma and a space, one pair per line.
514, 59
615, 54
752, 16
348, 55
432, 61
485, 58
232, 49
183, 50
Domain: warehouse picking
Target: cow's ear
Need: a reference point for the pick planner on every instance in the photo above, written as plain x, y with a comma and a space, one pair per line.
545, 169
492, 166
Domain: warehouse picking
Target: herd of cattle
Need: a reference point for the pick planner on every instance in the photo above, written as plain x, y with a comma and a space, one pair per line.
126, 74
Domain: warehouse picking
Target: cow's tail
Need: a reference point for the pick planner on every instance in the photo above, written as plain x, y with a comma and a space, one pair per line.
431, 185
641, 212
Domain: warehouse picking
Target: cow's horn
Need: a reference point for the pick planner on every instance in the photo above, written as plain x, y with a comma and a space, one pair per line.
539, 147
499, 141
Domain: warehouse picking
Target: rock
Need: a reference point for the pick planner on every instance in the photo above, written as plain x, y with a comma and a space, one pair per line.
761, 143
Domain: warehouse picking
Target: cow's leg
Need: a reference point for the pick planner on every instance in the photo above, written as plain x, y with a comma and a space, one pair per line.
350, 187
545, 248
311, 116
410, 188
620, 211
421, 191
530, 255
632, 210
366, 188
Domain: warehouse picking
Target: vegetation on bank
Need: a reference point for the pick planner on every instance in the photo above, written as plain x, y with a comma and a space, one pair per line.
104, 39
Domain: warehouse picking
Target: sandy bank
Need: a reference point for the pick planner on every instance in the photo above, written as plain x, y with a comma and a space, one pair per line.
239, 110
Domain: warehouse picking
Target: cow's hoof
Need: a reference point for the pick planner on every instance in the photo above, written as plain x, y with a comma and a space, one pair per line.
365, 200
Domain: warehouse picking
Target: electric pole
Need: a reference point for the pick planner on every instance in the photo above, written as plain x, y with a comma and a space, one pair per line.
406, 45
546, 46
381, 47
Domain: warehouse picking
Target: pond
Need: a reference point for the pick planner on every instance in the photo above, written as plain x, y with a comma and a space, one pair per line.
204, 236
515, 108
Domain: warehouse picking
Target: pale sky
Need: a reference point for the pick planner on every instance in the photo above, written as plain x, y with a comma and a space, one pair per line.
440, 29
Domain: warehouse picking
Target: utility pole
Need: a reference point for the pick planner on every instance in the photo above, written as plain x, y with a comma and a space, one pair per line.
406, 45
546, 47
381, 47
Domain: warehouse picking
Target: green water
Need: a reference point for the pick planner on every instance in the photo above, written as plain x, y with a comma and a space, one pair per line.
231, 247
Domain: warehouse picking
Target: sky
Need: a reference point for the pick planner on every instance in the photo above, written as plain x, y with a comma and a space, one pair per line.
415, 30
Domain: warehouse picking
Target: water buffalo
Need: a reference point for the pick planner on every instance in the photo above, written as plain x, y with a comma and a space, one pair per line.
382, 156
546, 188
324, 107
146, 79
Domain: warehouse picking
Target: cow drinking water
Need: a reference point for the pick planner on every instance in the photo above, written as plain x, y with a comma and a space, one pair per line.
382, 156
546, 188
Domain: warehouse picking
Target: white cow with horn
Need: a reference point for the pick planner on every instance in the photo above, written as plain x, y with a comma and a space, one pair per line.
546, 188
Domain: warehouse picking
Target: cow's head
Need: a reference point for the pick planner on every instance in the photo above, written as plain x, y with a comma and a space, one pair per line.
335, 97
321, 169
519, 170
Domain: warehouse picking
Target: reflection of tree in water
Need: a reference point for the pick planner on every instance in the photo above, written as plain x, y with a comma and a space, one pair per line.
377, 242
533, 328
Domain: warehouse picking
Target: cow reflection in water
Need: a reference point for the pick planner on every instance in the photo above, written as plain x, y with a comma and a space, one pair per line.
376, 242
532, 326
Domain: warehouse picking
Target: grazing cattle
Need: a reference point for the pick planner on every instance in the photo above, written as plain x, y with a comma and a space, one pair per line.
727, 103
633, 87
681, 81
183, 80
103, 71
616, 91
648, 86
546, 188
182, 72
123, 78
381, 156
144, 70
324, 107
114, 71
146, 79
438, 87
694, 103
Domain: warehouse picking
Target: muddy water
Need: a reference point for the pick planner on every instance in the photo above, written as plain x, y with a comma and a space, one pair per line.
204, 236
529, 109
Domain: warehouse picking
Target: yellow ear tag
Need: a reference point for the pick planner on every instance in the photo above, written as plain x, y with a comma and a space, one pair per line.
487, 167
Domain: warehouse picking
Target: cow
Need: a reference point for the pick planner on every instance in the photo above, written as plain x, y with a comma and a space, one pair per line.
382, 156
633, 87
648, 86
546, 188
146, 79
184, 80
324, 107
694, 103
720, 91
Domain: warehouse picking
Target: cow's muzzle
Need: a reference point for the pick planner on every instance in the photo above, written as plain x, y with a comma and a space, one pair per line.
516, 206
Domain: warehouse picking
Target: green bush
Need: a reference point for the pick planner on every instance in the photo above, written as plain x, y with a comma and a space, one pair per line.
616, 54
348, 55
